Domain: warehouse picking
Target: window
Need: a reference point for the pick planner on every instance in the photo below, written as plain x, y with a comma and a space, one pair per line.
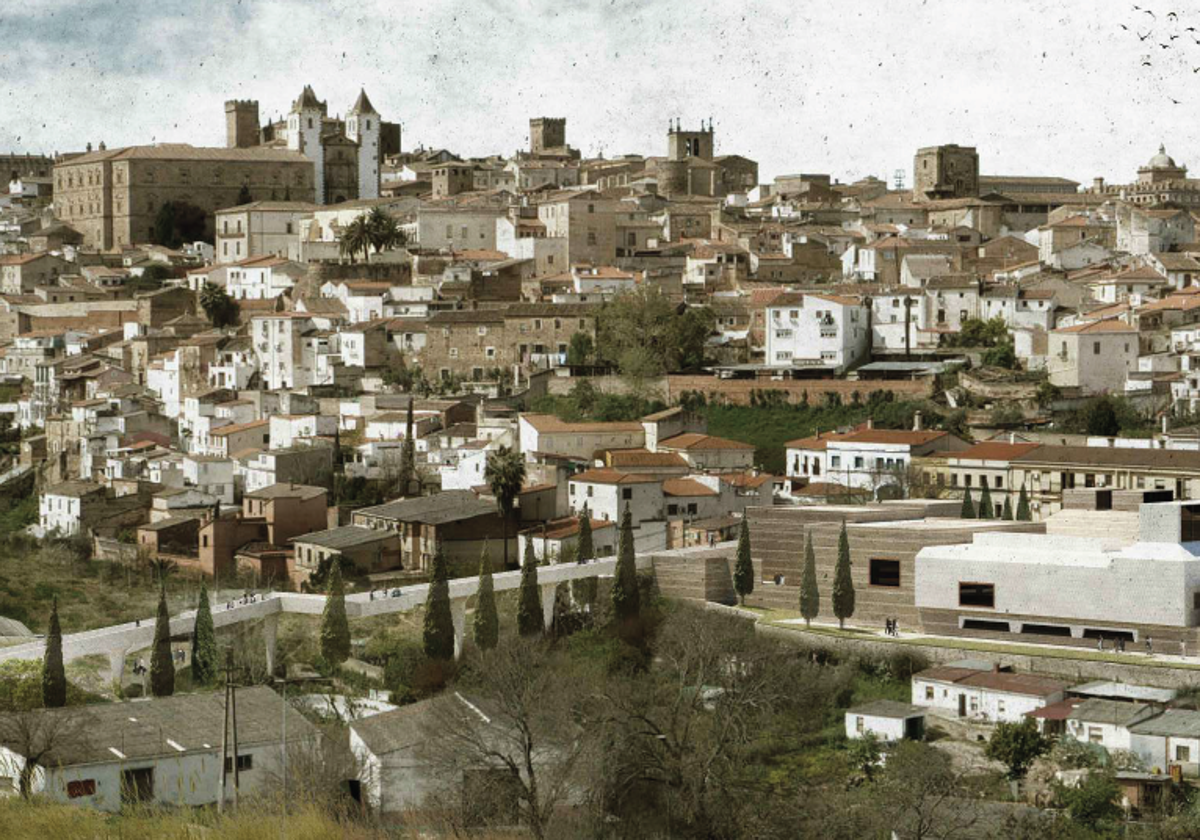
453, 352
1095, 348
590, 493
490, 352
244, 762
885, 572
858, 462
692, 509
1183, 753
591, 237
998, 481
928, 692
626, 493
1095, 734
672, 510
81, 787
977, 595
858, 724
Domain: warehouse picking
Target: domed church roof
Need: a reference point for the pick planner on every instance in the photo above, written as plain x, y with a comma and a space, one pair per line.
1162, 160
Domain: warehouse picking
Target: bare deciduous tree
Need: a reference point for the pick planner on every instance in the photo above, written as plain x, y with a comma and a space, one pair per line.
41, 738
678, 738
515, 743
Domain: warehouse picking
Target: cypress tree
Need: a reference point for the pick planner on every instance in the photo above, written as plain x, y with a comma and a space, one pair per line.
529, 604
986, 511
1023, 512
407, 454
487, 621
585, 590
843, 584
439, 622
625, 597
968, 507
810, 598
204, 642
743, 571
162, 668
54, 675
335, 628
1008, 511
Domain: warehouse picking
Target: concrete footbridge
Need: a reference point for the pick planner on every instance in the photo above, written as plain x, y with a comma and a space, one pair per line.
118, 640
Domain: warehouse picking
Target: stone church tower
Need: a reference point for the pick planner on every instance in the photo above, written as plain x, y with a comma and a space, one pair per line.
362, 126
304, 134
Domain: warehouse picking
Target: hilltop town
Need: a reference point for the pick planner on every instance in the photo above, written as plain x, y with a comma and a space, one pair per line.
631, 496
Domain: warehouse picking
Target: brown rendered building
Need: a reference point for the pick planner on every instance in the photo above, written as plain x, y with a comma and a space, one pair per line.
111, 196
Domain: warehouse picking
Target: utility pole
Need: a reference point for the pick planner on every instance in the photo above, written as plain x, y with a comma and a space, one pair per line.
229, 727
224, 733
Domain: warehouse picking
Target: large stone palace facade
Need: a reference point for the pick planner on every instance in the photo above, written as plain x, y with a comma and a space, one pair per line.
112, 196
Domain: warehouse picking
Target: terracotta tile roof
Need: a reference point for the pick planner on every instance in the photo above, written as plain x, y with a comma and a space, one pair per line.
995, 451
693, 441
238, 427
607, 475
898, 436
686, 487
749, 480
183, 151
1107, 325
557, 529
550, 423
644, 458
816, 442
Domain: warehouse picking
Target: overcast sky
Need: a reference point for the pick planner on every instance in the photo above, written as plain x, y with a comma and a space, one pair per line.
840, 86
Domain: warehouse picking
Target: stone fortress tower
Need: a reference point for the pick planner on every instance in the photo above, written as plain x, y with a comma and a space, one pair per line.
241, 123
347, 154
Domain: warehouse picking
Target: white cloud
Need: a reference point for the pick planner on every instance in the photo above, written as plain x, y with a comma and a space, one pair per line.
850, 88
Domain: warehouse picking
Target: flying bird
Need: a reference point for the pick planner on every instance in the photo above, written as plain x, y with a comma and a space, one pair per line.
1174, 101
1190, 29
1142, 37
1172, 16
1123, 26
1165, 46
1173, 37
1147, 11
1146, 64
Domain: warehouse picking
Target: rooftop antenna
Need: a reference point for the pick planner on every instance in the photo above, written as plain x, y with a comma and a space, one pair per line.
898, 180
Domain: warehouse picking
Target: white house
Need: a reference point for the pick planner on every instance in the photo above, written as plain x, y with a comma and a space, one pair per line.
989, 695
262, 278
809, 329
864, 458
210, 475
545, 433
1096, 356
887, 720
60, 507
277, 340
1107, 723
163, 751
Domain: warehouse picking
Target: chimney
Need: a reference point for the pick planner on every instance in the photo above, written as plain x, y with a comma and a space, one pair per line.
1098, 185
917, 421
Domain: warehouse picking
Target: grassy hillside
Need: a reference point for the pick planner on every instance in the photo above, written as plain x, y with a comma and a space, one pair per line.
768, 425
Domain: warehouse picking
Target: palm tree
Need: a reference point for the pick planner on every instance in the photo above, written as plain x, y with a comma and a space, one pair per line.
383, 231
354, 238
505, 474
